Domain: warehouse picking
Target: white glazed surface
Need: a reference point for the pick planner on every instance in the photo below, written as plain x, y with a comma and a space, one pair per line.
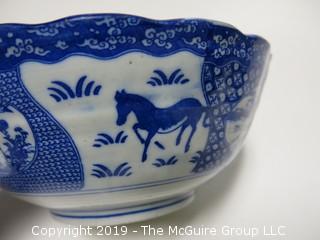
84, 117
222, 92
270, 182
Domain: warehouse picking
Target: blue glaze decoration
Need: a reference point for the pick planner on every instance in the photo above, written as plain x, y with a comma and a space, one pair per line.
16, 149
159, 145
104, 139
61, 91
186, 113
159, 162
119, 214
108, 35
56, 166
102, 171
161, 78
233, 64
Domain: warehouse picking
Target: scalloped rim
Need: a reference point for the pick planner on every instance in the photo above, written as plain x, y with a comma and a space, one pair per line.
96, 15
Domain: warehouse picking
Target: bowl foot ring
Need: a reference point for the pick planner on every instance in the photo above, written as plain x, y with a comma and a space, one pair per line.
123, 215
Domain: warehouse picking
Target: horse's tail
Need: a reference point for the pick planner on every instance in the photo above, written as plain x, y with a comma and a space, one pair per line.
206, 117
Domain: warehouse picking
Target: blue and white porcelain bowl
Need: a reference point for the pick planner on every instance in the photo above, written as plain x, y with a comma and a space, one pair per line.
108, 119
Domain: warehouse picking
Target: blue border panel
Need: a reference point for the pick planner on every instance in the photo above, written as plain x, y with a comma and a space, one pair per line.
108, 35
56, 166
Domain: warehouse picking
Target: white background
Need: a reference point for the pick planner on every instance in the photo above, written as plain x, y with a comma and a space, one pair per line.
275, 180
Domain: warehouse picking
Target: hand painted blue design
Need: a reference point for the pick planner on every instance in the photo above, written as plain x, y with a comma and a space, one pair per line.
226, 52
22, 46
224, 87
57, 166
4, 109
185, 113
106, 139
15, 149
62, 91
237, 115
102, 171
160, 145
197, 158
159, 162
108, 35
161, 79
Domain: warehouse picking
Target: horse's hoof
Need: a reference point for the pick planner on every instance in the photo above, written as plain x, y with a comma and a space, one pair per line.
187, 148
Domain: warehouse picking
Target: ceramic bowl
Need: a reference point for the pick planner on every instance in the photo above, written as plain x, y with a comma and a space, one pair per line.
108, 118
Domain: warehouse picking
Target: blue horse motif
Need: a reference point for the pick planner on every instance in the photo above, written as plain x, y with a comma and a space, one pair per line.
181, 115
